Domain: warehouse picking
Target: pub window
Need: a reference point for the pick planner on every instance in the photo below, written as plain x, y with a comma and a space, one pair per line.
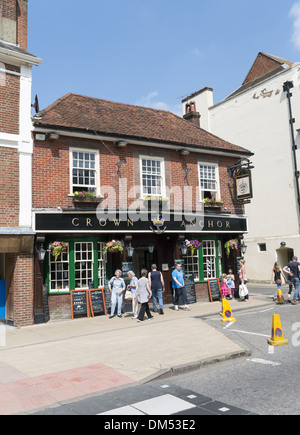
101, 264
59, 273
84, 260
209, 181
191, 264
85, 171
209, 259
152, 174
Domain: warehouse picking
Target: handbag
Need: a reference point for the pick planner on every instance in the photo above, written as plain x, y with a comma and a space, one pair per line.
243, 291
128, 295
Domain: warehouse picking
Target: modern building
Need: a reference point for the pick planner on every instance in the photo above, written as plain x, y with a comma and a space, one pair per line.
97, 165
16, 148
264, 115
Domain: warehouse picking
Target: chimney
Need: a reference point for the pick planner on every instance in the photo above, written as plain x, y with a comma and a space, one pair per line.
13, 22
191, 114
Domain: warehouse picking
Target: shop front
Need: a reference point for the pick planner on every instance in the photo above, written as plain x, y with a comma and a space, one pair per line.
80, 237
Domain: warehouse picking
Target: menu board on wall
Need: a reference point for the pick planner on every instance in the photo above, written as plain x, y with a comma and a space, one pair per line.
97, 302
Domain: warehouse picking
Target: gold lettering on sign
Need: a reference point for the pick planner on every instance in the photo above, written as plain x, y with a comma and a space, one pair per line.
129, 222
89, 222
182, 224
75, 222
117, 222
227, 224
210, 224
103, 222
193, 223
219, 224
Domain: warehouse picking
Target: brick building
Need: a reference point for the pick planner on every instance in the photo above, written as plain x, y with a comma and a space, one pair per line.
16, 234
125, 156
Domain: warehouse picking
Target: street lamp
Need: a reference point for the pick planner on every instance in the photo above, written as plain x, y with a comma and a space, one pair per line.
183, 249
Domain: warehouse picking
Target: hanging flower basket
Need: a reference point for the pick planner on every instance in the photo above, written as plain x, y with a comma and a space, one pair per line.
193, 245
114, 247
58, 248
231, 245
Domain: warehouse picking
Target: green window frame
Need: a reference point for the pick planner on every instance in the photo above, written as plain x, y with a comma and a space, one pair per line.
96, 259
200, 254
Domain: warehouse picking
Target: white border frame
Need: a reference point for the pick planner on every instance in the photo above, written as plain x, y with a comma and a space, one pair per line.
216, 165
162, 160
97, 163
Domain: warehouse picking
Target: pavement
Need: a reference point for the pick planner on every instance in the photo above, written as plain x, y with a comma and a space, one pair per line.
45, 366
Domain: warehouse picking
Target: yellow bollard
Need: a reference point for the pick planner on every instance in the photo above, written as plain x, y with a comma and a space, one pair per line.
277, 338
227, 312
280, 297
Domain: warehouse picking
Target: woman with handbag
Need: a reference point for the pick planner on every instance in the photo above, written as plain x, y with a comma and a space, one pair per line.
277, 277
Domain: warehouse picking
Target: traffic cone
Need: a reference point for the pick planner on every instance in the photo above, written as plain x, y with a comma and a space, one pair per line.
227, 312
277, 338
280, 297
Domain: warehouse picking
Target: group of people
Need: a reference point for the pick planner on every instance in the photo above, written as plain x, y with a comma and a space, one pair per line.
228, 282
150, 285
293, 273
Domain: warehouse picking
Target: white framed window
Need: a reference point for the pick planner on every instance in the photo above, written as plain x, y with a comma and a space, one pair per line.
59, 273
152, 176
209, 181
209, 259
102, 258
84, 262
191, 264
85, 171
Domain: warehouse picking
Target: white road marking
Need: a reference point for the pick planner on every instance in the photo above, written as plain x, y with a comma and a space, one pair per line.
249, 333
263, 361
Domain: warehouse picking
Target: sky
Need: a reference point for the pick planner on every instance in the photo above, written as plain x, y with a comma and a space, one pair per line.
153, 53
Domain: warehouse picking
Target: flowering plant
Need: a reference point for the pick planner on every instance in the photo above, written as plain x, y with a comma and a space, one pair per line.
83, 195
57, 248
194, 245
114, 245
212, 201
231, 244
155, 198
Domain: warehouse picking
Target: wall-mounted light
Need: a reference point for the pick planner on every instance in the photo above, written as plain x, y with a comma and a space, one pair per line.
244, 248
42, 253
53, 136
282, 244
122, 144
151, 249
183, 248
130, 250
184, 152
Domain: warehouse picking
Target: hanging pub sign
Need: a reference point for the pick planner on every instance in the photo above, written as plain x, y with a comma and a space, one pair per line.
244, 184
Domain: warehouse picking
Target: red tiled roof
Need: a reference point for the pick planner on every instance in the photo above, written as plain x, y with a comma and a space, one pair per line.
81, 113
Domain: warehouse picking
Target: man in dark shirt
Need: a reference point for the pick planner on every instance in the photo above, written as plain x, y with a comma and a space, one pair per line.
293, 269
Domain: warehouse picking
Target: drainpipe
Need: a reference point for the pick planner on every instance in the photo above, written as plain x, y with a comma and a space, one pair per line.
287, 86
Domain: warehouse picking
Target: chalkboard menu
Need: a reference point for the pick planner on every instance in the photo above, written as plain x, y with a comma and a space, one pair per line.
190, 288
79, 303
214, 290
97, 302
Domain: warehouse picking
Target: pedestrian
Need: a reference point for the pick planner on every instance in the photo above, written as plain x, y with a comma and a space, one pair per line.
179, 288
116, 287
133, 288
243, 276
157, 286
224, 286
293, 269
277, 277
231, 278
144, 293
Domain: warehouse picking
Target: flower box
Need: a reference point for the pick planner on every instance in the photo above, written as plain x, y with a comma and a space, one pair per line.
86, 197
